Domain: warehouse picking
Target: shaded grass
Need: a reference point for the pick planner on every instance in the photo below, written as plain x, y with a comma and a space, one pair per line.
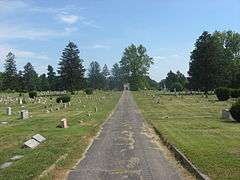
194, 125
69, 142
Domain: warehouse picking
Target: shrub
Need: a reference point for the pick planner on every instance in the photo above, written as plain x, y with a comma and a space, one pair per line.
235, 110
235, 93
88, 91
178, 86
32, 94
63, 99
222, 93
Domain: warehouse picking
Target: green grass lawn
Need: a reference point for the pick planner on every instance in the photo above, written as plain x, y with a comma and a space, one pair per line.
194, 125
66, 143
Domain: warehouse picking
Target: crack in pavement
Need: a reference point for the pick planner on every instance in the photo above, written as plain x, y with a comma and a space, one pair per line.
126, 149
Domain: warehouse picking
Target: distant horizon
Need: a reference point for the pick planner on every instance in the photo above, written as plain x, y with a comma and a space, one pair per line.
37, 31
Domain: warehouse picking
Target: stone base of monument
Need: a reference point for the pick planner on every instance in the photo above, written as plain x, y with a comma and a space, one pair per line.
227, 115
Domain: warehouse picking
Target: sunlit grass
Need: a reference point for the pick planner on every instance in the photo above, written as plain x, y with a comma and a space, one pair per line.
70, 142
194, 125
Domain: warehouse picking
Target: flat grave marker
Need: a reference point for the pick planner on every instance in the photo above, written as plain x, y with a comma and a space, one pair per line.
39, 138
31, 143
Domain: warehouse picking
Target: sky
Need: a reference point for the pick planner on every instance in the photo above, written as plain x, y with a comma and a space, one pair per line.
37, 31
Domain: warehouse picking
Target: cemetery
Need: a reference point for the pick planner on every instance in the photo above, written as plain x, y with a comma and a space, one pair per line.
119, 90
200, 127
30, 140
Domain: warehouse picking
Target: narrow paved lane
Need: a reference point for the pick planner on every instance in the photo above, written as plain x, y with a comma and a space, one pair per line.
124, 151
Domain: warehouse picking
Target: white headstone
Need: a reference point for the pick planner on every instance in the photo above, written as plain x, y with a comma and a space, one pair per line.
39, 138
16, 157
227, 115
31, 143
5, 165
20, 101
9, 111
24, 114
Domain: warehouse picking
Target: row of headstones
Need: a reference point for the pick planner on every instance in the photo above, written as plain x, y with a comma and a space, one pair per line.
23, 113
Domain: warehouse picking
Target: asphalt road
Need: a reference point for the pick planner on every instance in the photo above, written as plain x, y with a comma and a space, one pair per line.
123, 150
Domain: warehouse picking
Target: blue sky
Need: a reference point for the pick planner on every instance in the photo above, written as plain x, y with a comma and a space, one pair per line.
38, 30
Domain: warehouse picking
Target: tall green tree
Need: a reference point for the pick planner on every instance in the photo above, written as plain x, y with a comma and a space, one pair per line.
135, 64
51, 77
10, 73
207, 63
43, 83
71, 69
105, 74
116, 78
231, 43
96, 79
175, 81
30, 77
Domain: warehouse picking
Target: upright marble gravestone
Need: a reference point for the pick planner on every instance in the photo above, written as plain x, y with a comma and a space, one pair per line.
9, 111
24, 114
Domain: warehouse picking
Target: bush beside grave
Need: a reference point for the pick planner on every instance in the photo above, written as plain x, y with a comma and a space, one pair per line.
235, 110
32, 94
88, 91
222, 93
235, 93
63, 99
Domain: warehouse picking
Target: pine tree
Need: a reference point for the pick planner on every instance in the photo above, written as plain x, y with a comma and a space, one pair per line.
43, 83
30, 77
207, 64
10, 73
105, 74
71, 69
51, 76
96, 79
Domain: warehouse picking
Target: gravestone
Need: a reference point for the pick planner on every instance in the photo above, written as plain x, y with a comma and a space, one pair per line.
4, 122
227, 115
96, 109
24, 114
20, 101
9, 111
5, 165
39, 138
31, 143
16, 157
65, 105
63, 123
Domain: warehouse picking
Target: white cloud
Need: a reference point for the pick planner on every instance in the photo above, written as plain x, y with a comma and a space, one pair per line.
10, 5
13, 32
159, 57
5, 49
100, 46
69, 19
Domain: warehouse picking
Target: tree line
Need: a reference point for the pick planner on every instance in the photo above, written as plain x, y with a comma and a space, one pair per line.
72, 76
214, 62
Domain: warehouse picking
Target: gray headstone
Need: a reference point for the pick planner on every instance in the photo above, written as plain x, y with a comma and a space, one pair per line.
5, 165
4, 122
39, 138
9, 111
17, 157
31, 143
227, 115
24, 114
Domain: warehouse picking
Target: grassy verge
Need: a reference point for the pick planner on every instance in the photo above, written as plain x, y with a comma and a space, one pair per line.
194, 125
69, 144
